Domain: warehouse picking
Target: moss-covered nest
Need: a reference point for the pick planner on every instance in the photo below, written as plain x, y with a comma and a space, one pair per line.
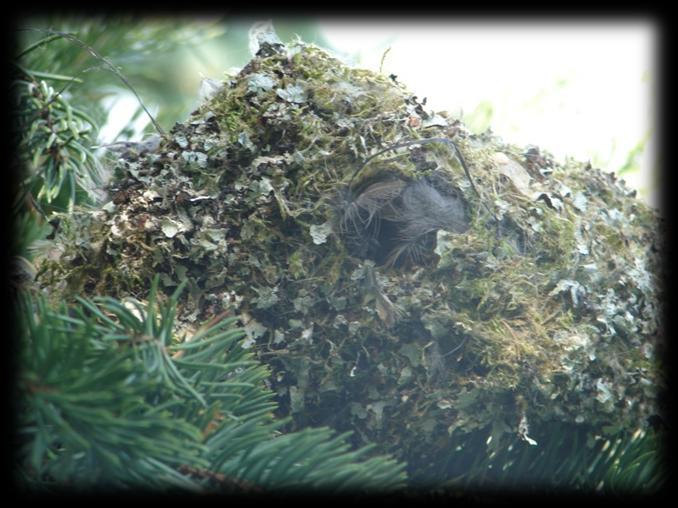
542, 307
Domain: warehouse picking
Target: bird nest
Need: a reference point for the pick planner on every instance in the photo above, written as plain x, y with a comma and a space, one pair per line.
415, 294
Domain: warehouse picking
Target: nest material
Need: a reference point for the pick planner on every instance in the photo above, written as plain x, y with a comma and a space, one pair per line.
556, 318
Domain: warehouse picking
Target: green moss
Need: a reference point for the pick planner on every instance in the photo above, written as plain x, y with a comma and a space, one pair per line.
558, 299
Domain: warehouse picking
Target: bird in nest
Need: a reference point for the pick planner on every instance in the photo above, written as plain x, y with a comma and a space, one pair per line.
393, 219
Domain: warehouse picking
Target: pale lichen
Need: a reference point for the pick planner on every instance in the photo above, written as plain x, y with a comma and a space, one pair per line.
547, 311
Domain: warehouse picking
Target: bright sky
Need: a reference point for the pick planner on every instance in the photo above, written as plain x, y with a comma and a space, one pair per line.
579, 89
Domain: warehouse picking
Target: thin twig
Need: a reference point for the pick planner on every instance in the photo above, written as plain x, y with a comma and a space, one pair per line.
426, 141
107, 62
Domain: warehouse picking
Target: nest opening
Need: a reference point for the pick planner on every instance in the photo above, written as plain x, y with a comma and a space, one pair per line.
394, 222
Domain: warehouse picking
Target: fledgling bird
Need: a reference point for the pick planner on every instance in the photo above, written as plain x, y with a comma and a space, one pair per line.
394, 222
393, 219
420, 213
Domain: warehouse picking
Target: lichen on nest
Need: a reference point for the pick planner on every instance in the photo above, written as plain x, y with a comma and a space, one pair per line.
546, 307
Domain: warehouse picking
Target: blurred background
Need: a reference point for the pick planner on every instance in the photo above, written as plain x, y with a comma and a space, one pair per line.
580, 89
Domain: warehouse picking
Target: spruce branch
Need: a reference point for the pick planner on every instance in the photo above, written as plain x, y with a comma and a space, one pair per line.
105, 403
